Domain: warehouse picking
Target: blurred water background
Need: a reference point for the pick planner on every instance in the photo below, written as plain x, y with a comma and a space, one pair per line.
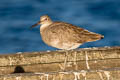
16, 17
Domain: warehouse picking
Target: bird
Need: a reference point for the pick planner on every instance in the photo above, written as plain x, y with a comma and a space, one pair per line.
63, 35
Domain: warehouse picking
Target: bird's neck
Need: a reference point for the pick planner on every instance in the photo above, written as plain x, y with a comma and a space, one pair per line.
43, 26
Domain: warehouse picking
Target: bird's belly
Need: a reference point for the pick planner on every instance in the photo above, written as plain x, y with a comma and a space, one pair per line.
64, 45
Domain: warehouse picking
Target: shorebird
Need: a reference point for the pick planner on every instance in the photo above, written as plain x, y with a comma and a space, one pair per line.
63, 35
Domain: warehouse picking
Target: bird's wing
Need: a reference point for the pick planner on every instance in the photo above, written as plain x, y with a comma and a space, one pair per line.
68, 32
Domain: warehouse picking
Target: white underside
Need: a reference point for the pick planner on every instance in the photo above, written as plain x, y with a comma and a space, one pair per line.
74, 46
66, 46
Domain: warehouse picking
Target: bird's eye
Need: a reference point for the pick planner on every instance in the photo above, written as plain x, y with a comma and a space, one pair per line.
45, 18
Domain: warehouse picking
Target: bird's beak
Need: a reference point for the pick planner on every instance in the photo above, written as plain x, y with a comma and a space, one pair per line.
38, 23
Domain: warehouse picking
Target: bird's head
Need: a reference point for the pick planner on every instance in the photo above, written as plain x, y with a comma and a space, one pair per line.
43, 20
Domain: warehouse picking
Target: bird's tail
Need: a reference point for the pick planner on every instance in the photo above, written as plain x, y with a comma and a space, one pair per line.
95, 37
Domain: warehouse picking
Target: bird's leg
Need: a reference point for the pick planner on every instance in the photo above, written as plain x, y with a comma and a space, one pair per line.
75, 61
66, 57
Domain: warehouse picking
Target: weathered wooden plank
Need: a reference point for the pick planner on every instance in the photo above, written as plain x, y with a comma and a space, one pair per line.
59, 56
89, 63
69, 75
80, 65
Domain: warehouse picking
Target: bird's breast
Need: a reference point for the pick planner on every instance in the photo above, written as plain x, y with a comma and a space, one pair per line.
43, 26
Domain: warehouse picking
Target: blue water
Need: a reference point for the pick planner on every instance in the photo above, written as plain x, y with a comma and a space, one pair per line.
16, 17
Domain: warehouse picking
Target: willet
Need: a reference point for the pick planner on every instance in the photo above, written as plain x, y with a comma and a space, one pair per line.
63, 35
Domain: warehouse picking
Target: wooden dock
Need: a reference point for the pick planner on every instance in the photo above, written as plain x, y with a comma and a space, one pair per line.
82, 64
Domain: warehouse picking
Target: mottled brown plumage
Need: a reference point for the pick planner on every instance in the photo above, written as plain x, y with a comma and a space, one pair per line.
64, 35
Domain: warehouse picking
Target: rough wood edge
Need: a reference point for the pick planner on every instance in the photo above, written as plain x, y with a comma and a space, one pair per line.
59, 56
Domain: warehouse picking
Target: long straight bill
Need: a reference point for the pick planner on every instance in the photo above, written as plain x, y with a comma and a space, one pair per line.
38, 23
